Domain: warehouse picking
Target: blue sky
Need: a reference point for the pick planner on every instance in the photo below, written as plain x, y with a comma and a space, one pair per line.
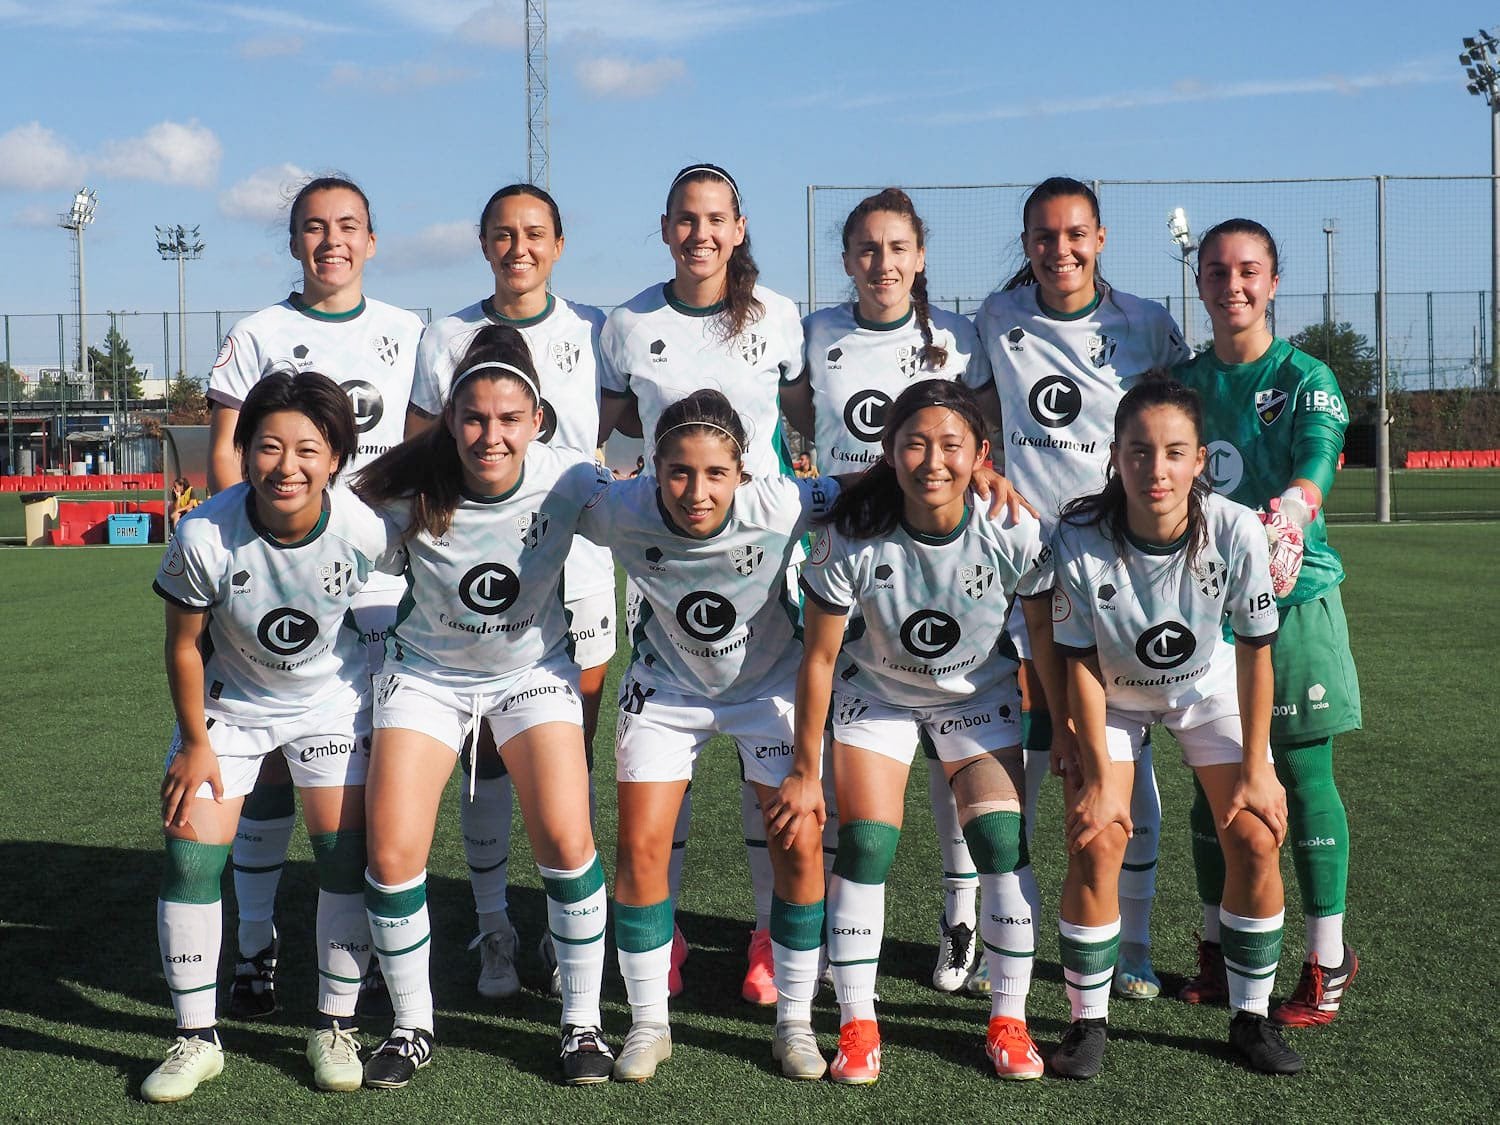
195, 113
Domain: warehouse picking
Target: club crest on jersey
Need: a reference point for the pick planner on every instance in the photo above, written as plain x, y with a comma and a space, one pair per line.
1269, 404
336, 577
533, 528
976, 579
851, 709
565, 355
387, 349
1101, 349
752, 348
385, 687
747, 558
906, 358
1210, 578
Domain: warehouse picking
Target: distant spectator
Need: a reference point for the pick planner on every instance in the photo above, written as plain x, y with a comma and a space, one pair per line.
183, 501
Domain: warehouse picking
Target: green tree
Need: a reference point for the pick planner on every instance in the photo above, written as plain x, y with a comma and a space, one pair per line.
186, 403
1350, 356
114, 367
12, 387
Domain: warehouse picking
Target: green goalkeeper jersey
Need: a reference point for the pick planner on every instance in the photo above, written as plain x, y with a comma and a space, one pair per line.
1269, 422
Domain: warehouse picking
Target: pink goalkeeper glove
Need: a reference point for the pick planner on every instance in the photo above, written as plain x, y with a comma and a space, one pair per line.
1290, 513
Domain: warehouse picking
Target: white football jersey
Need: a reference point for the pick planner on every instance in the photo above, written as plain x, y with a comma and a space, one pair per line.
857, 369
564, 343
484, 600
281, 638
660, 351
1156, 624
717, 620
1059, 381
370, 351
927, 614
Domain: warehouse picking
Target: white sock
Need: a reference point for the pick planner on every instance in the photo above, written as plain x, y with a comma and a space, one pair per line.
576, 908
257, 859
1325, 939
1037, 765
856, 925
754, 823
189, 934
1138, 871
486, 822
679, 845
343, 934
1008, 930
1252, 949
960, 880
401, 934
1088, 957
646, 983
1211, 922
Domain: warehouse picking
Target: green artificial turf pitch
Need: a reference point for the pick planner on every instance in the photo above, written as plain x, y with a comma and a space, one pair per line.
84, 1013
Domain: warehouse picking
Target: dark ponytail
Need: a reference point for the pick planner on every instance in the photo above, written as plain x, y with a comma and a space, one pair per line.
871, 506
742, 307
1055, 187
894, 201
426, 469
1106, 508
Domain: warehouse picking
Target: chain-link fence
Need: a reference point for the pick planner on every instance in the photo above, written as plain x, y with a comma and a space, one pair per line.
1407, 255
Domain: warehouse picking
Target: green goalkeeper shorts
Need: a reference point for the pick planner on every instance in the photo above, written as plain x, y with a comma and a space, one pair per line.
1317, 688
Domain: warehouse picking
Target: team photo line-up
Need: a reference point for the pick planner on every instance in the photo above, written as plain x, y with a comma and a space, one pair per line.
408, 564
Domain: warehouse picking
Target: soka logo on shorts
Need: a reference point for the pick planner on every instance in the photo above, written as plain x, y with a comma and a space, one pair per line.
369, 406
1225, 467
929, 634
489, 589
706, 615
1055, 401
286, 631
865, 413
1165, 646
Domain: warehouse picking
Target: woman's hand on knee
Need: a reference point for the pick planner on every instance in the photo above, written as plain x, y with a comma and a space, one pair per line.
1096, 807
799, 797
1261, 796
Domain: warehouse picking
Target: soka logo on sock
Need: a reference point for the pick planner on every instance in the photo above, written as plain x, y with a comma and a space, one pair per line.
389, 923
581, 912
1010, 921
183, 958
851, 931
1317, 842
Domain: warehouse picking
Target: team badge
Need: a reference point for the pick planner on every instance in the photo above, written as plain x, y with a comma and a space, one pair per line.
1269, 405
752, 348
1210, 578
174, 564
533, 528
1101, 349
747, 558
906, 359
565, 355
976, 579
385, 687
822, 548
851, 709
387, 349
226, 353
336, 577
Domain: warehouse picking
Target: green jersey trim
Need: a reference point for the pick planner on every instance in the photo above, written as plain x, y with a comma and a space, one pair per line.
938, 540
878, 326
487, 304
1145, 546
691, 310
1053, 314
297, 302
265, 533
501, 497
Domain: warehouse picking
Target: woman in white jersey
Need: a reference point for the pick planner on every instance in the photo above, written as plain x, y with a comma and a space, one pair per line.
710, 326
489, 514
369, 349
1147, 571
908, 590
521, 237
1064, 347
857, 358
716, 652
258, 583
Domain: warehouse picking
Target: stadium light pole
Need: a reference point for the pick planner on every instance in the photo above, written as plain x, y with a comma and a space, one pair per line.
1330, 228
75, 219
1182, 236
1478, 59
183, 244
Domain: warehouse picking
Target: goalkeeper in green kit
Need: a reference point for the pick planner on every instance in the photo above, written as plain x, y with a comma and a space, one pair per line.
1274, 422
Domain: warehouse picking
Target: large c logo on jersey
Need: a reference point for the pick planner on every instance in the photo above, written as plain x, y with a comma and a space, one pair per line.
369, 406
929, 634
1226, 468
286, 631
549, 423
489, 589
1165, 646
864, 414
1055, 401
706, 615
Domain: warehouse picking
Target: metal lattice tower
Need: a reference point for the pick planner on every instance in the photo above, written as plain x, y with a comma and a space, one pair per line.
538, 166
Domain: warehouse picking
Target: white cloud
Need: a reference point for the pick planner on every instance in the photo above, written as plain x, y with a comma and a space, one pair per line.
399, 78
276, 17
166, 153
435, 246
612, 76
35, 215
1192, 90
271, 47
263, 195
494, 25
34, 158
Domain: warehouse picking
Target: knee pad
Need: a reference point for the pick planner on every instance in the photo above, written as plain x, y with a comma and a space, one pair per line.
269, 802
340, 861
867, 848
193, 871
997, 843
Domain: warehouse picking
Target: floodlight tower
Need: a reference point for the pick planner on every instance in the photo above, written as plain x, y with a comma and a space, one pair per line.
538, 165
1478, 59
183, 244
1182, 236
75, 219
